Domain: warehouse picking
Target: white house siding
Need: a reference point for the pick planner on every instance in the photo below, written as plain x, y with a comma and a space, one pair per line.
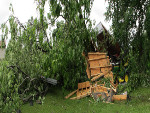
2, 53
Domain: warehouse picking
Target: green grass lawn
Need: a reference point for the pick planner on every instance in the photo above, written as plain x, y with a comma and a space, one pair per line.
55, 103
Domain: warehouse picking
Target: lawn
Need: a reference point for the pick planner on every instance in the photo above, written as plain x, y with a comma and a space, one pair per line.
55, 103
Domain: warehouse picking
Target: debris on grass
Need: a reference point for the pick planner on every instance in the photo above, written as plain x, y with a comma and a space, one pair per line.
101, 86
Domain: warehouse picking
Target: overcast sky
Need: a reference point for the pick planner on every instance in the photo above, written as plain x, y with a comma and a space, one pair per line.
24, 9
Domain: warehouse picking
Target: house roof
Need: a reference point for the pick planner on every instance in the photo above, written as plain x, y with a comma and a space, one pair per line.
111, 48
100, 27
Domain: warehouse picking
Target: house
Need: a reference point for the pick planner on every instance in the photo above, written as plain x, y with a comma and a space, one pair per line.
104, 42
2, 49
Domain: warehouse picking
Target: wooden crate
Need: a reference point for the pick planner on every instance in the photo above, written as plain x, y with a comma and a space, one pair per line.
83, 88
99, 62
95, 71
96, 55
94, 63
106, 69
104, 62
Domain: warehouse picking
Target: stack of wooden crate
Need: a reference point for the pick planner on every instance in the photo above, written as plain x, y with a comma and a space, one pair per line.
98, 65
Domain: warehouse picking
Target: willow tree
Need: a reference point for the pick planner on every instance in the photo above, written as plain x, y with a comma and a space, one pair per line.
128, 18
31, 57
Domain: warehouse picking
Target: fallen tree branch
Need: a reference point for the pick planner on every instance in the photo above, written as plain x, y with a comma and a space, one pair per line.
12, 66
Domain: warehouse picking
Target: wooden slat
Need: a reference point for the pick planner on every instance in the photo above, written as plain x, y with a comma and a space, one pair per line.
98, 58
113, 85
97, 77
119, 97
82, 96
100, 62
106, 69
70, 94
96, 53
94, 63
101, 66
95, 71
87, 84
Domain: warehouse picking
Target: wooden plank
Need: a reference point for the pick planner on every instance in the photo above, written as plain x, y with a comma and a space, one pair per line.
94, 63
69, 95
83, 92
87, 84
106, 69
108, 66
83, 87
119, 97
82, 96
96, 56
97, 77
79, 85
97, 53
99, 62
95, 71
114, 89
113, 85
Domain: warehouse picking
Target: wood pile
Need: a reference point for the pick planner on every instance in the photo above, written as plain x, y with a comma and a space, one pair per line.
98, 66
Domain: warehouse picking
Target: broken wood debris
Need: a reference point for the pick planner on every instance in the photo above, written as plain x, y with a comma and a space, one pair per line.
98, 66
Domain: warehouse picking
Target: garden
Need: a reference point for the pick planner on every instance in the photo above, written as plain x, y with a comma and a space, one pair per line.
42, 66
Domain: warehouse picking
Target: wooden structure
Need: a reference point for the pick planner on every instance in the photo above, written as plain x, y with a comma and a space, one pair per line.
84, 89
104, 40
98, 65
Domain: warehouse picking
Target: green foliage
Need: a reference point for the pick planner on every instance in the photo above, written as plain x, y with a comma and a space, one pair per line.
30, 55
68, 64
128, 23
106, 81
70, 39
130, 26
9, 97
138, 80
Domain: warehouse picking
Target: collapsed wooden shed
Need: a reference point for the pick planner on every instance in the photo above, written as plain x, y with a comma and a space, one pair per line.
105, 42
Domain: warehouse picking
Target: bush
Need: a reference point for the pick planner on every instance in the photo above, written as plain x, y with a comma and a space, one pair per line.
137, 80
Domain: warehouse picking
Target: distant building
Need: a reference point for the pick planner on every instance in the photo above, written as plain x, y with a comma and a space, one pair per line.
103, 37
2, 49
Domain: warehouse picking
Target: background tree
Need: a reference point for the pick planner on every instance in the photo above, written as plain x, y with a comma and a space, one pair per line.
31, 58
130, 28
128, 19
